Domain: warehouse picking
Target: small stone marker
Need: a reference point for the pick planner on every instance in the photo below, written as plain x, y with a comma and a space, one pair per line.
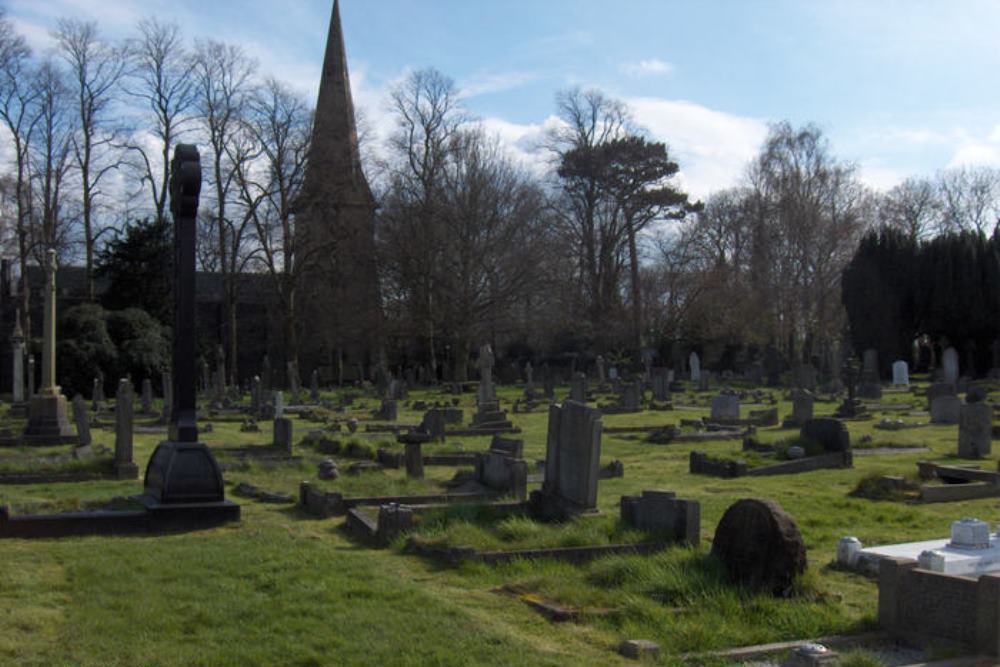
283, 434
946, 409
811, 655
760, 546
638, 649
662, 511
82, 420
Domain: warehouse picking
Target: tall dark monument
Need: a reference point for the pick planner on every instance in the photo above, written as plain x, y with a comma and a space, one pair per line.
335, 212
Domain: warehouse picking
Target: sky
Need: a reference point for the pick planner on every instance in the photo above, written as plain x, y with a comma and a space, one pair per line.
900, 88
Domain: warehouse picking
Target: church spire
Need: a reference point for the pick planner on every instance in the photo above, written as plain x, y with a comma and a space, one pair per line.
334, 171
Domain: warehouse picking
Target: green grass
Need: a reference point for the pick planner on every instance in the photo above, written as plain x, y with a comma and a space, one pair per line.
284, 588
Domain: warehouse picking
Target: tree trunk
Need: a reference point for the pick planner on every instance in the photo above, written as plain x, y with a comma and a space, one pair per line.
636, 294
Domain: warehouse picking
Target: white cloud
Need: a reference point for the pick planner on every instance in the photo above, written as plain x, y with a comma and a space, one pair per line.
712, 147
878, 176
976, 154
484, 84
649, 67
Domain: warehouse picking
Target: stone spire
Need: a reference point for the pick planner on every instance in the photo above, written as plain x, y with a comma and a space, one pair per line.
334, 171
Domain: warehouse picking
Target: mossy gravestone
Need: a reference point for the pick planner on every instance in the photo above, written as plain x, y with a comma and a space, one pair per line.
760, 545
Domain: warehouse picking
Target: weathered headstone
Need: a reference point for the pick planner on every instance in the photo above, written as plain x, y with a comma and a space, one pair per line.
414, 460
760, 546
694, 363
900, 374
661, 385
294, 382
486, 393
82, 420
725, 407
601, 370
572, 460
314, 386
578, 388
975, 430
802, 408
831, 434
946, 409
147, 396
630, 399
97, 396
949, 363
870, 386
388, 411
662, 511
124, 463
434, 424
502, 468
278, 401
283, 434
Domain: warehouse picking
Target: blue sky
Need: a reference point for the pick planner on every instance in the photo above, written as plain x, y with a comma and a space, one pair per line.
900, 87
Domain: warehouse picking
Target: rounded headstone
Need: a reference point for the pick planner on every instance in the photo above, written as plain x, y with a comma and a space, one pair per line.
760, 545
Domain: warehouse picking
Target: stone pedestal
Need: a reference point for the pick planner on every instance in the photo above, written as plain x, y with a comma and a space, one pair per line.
183, 472
48, 419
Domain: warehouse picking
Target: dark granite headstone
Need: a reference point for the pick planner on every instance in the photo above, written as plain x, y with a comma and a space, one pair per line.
760, 545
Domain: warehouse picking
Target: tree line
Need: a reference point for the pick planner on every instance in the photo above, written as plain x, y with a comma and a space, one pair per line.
601, 252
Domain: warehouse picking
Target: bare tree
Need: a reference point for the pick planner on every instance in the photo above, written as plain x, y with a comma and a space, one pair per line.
280, 126
96, 68
222, 76
161, 79
913, 206
18, 99
428, 118
970, 199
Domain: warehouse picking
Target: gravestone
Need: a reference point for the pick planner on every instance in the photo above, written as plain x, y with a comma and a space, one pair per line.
661, 385
613, 374
946, 409
694, 363
630, 399
572, 461
388, 410
82, 420
704, 380
601, 370
17, 360
147, 396
975, 430
939, 389
725, 407
949, 364
760, 546
414, 458
182, 470
663, 512
578, 388
283, 434
869, 386
900, 374
831, 434
486, 393
48, 421
124, 464
97, 395
278, 401
548, 386
434, 424
802, 408
502, 469
314, 386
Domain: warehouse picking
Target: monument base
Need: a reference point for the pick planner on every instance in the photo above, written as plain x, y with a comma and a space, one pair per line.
48, 420
183, 473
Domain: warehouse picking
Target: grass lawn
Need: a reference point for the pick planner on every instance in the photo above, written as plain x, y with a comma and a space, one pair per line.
282, 588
